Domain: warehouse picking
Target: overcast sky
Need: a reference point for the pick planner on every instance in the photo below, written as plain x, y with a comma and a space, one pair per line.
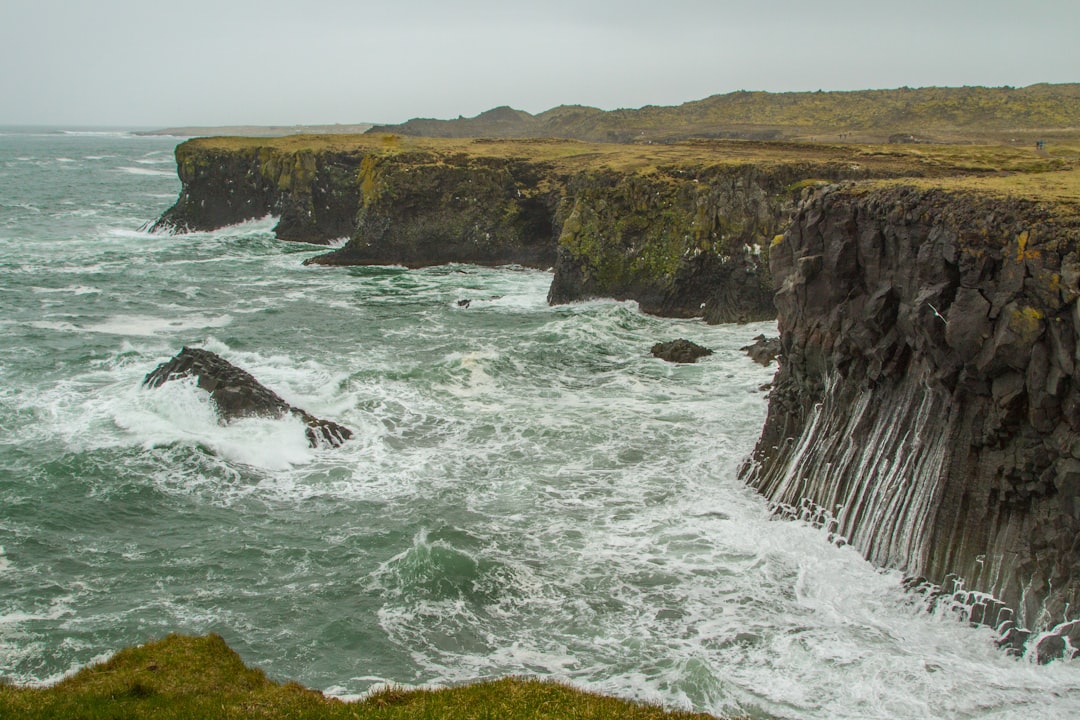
217, 62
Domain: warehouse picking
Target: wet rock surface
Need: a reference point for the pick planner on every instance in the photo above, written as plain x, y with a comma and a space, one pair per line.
680, 351
763, 350
928, 404
237, 394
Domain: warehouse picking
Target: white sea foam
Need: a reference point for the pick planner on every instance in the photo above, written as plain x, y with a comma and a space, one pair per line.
59, 326
72, 290
146, 171
126, 233
148, 325
178, 412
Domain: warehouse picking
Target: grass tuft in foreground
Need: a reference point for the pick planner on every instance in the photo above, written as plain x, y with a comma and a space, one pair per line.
189, 677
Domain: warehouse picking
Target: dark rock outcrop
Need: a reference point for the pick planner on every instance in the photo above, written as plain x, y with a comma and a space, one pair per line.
763, 350
683, 241
419, 209
237, 394
680, 351
313, 194
928, 406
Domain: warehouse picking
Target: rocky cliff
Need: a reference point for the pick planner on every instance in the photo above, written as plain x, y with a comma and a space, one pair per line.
683, 230
421, 208
314, 194
682, 241
927, 409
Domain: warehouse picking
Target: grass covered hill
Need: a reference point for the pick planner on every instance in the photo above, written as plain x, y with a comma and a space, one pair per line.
965, 114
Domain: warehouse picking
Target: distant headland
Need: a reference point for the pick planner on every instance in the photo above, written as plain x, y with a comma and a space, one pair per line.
258, 130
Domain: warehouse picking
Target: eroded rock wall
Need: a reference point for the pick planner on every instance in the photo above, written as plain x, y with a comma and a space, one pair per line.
927, 408
683, 241
420, 209
314, 194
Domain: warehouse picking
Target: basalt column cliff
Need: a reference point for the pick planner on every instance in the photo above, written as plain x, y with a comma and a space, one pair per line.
927, 408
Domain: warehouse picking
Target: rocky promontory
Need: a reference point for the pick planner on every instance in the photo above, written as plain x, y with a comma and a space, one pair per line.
927, 409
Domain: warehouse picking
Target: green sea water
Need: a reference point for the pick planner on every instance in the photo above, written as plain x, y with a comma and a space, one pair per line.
528, 491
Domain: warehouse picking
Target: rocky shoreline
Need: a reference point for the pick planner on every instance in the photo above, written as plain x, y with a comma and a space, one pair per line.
685, 232
927, 409
927, 406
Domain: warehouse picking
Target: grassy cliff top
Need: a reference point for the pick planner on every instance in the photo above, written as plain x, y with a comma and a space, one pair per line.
1061, 186
572, 156
201, 677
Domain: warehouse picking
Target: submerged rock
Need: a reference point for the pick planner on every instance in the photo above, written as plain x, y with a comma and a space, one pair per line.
237, 394
680, 351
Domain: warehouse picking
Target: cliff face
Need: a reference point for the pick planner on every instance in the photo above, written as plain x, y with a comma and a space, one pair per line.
683, 240
422, 208
314, 194
927, 408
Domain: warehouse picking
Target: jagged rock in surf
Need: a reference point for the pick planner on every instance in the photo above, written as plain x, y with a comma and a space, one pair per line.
680, 351
237, 394
1062, 643
763, 350
929, 399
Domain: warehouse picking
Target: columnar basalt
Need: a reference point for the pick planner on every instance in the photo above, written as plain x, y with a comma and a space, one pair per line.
927, 408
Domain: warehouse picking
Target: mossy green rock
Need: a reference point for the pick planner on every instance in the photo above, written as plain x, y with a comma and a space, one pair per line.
419, 209
314, 194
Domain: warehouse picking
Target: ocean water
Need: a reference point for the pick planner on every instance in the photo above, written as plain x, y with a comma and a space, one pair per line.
528, 491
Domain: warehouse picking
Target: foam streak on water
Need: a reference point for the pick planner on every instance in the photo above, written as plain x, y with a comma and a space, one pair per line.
527, 492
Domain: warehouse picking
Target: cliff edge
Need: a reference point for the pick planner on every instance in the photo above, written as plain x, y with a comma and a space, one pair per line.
927, 409
683, 229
